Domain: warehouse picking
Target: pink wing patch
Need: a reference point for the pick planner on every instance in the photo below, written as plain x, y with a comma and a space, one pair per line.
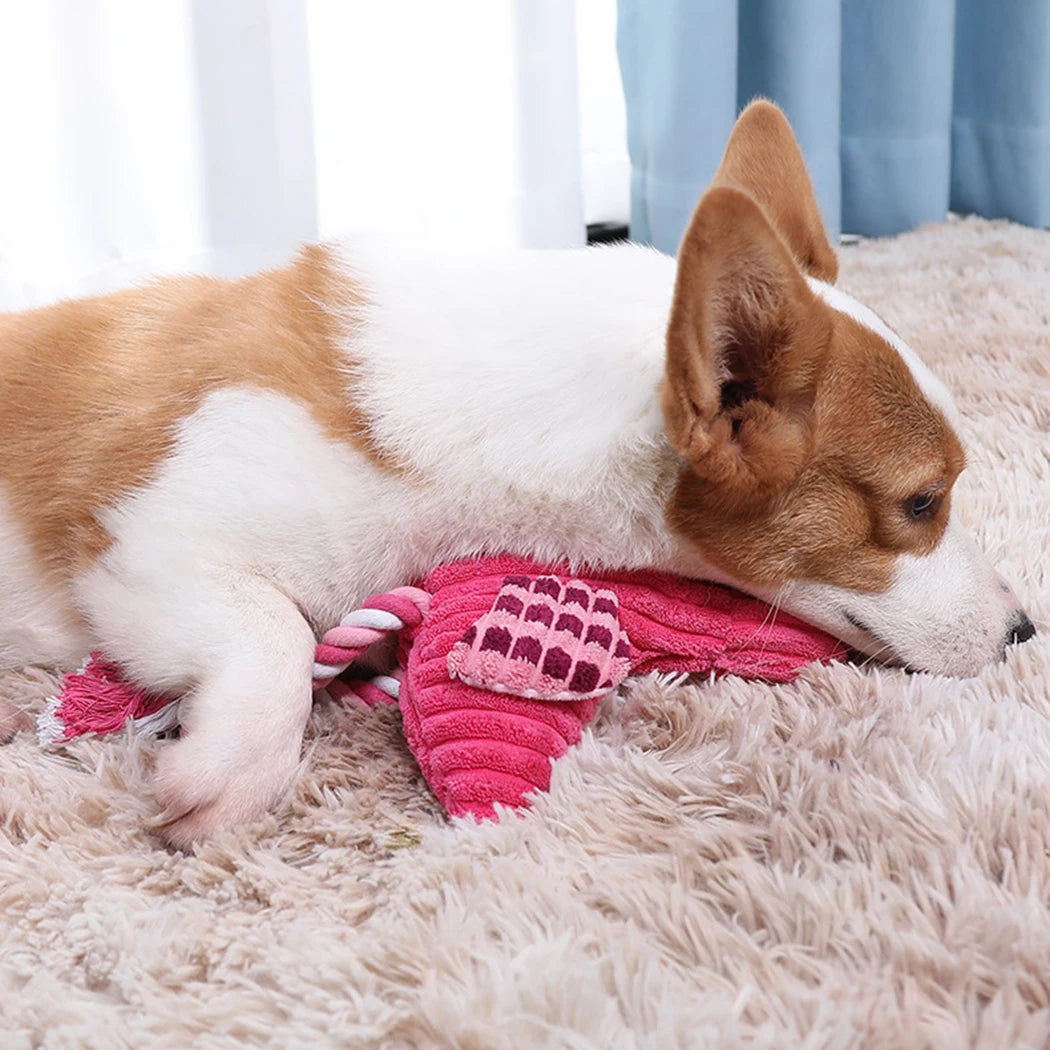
545, 638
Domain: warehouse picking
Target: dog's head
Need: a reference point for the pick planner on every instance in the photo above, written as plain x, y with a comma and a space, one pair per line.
820, 452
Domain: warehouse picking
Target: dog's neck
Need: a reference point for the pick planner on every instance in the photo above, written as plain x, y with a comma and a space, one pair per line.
543, 426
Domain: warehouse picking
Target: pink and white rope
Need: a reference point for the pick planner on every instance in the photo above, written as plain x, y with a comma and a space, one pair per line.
377, 616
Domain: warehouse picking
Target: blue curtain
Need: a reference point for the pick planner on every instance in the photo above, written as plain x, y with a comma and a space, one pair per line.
903, 109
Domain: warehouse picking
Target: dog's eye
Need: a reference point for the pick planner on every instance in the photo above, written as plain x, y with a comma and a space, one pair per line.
923, 505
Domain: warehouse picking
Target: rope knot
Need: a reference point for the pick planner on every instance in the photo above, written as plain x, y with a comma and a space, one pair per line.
403, 607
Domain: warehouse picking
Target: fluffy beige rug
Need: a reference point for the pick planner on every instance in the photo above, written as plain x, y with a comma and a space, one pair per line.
861, 859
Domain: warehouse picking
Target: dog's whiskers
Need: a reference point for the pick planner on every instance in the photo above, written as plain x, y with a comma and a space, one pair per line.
769, 621
870, 658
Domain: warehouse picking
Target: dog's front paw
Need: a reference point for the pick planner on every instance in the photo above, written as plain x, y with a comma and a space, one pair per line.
200, 794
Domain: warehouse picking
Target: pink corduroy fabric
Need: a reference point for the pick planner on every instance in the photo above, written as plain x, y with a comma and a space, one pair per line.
563, 639
479, 748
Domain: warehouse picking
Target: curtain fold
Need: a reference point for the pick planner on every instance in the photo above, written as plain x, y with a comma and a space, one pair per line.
670, 59
791, 52
896, 113
903, 109
1001, 118
150, 138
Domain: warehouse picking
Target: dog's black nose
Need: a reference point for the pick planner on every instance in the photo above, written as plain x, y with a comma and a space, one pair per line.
1020, 629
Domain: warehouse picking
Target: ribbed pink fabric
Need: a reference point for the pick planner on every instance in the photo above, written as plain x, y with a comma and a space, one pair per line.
479, 748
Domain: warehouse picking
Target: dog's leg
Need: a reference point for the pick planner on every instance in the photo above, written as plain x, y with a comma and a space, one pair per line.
241, 655
242, 725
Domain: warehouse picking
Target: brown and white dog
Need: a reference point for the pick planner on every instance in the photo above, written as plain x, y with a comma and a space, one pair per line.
198, 476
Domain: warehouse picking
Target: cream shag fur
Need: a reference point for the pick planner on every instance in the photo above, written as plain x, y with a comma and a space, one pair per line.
860, 859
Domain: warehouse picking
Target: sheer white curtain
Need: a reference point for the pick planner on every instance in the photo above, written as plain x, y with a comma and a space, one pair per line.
606, 167
216, 135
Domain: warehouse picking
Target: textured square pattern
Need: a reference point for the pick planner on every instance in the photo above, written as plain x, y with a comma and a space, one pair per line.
545, 638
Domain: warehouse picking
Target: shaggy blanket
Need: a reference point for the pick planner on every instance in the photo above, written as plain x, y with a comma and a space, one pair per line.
858, 859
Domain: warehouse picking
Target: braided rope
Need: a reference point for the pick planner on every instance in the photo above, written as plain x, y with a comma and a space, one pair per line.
357, 631
380, 691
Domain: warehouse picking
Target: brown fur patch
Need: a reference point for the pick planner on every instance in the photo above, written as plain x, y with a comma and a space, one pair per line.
877, 442
92, 390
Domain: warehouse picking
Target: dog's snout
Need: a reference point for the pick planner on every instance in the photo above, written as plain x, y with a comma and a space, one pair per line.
1019, 629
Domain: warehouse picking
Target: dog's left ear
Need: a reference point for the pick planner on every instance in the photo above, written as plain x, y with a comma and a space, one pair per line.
746, 343
763, 159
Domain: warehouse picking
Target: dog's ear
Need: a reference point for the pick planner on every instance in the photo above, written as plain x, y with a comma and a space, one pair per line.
763, 159
746, 342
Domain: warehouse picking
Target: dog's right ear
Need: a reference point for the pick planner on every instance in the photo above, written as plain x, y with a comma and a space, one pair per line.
746, 342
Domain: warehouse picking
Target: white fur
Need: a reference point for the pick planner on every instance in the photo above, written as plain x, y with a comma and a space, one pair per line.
946, 610
525, 428
523, 391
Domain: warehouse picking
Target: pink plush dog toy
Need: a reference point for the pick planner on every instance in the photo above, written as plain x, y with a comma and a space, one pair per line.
503, 663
